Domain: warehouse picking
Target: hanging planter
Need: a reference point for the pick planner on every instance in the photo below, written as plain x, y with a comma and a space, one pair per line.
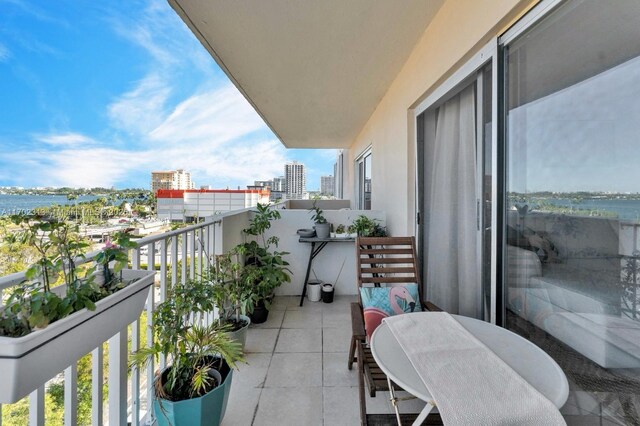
29, 361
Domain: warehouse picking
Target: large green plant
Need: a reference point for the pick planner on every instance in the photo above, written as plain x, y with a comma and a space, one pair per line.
193, 349
232, 284
267, 267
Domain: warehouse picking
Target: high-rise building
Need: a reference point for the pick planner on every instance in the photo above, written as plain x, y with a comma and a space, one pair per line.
263, 183
296, 180
327, 185
173, 179
279, 184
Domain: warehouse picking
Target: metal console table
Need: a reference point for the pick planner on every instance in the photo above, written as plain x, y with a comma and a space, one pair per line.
317, 244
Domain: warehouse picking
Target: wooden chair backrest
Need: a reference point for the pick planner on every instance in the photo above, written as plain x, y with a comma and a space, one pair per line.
387, 260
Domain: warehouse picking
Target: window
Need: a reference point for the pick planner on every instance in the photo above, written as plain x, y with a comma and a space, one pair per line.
338, 173
572, 203
363, 180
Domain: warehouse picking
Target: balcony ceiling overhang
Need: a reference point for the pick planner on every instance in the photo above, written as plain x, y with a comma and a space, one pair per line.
314, 70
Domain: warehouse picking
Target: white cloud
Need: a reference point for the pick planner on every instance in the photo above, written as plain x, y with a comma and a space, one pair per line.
210, 118
66, 139
141, 109
239, 162
4, 53
163, 35
84, 167
92, 167
212, 134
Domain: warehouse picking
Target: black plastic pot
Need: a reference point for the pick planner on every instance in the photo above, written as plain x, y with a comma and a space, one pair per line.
260, 313
327, 293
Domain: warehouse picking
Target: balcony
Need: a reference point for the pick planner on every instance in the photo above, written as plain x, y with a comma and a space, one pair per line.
296, 361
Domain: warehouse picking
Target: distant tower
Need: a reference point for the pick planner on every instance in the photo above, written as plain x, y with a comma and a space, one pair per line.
173, 179
327, 185
279, 184
296, 180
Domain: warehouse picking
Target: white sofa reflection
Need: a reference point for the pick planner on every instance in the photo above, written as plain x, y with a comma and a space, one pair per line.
578, 306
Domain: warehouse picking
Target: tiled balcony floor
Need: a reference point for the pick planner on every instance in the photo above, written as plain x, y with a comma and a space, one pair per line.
296, 371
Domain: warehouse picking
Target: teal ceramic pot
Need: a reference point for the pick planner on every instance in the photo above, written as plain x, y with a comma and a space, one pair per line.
207, 410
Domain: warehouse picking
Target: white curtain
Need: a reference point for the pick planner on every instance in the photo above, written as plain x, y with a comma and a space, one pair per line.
453, 282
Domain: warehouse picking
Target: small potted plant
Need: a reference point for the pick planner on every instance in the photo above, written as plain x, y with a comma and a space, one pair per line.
367, 227
54, 311
322, 227
341, 232
194, 388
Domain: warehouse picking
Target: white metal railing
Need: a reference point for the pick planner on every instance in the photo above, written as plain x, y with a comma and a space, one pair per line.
130, 396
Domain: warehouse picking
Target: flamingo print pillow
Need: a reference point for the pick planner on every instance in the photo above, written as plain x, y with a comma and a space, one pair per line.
382, 302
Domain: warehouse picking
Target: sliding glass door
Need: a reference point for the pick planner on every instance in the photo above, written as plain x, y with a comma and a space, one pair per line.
455, 196
572, 200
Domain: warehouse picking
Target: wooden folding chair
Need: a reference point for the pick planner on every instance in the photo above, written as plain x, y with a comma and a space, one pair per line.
380, 261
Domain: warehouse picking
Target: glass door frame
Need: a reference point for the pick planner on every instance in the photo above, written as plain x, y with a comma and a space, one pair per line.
529, 19
462, 77
360, 181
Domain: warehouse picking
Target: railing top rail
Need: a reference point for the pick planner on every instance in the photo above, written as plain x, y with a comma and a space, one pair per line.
17, 277
155, 238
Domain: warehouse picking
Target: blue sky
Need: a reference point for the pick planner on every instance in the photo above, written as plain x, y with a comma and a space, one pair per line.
100, 93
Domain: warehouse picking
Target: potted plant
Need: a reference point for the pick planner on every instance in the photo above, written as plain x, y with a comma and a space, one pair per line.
194, 388
233, 293
367, 227
341, 232
267, 266
322, 227
60, 312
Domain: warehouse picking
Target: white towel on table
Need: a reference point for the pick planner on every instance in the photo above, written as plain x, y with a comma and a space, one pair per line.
470, 384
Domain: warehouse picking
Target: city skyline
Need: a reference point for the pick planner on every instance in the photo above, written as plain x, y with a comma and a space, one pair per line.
101, 94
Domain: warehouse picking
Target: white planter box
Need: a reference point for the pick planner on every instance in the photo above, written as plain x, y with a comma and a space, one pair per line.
28, 362
346, 235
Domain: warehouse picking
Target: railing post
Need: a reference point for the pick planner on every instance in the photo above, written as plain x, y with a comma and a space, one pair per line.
135, 345
96, 386
150, 309
135, 375
118, 379
163, 284
71, 395
184, 257
192, 264
36, 407
174, 260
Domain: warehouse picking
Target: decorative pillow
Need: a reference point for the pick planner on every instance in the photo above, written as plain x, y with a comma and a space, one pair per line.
516, 238
382, 302
543, 247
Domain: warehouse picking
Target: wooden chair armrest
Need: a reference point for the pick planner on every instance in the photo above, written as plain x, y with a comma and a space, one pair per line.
428, 306
357, 321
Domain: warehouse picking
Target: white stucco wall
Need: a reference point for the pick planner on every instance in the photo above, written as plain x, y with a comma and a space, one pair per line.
459, 29
327, 264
